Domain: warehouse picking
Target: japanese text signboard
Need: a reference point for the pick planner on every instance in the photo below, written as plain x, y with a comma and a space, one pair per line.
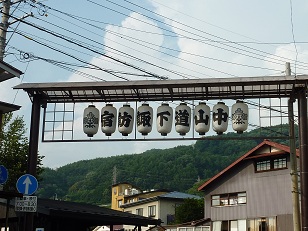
26, 204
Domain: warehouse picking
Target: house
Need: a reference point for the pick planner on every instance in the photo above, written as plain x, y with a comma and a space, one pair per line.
123, 193
254, 193
160, 206
157, 204
197, 225
7, 72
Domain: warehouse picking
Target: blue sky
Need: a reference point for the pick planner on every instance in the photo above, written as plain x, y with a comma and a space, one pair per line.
196, 39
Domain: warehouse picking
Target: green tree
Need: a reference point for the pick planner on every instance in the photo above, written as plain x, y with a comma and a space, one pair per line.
194, 189
190, 210
14, 148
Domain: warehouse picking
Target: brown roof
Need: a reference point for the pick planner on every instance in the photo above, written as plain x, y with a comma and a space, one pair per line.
284, 149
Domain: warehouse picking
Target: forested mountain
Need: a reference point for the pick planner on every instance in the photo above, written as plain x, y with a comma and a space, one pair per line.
176, 168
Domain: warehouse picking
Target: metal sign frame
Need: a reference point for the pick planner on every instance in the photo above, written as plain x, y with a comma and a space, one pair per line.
289, 87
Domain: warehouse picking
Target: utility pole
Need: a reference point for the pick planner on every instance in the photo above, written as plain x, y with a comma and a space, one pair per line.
6, 4
114, 174
293, 160
4, 25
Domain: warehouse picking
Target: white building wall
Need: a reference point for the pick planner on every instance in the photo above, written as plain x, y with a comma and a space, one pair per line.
166, 208
145, 213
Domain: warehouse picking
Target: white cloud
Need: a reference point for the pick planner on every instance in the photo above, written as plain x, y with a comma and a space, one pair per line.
130, 42
287, 53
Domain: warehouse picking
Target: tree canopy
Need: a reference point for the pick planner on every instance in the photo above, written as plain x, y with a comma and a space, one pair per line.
14, 148
191, 209
182, 168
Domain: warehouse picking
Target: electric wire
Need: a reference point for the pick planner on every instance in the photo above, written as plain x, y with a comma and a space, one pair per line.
116, 50
203, 31
168, 70
87, 63
177, 73
75, 17
121, 36
174, 72
218, 47
76, 58
88, 48
84, 20
30, 36
293, 36
124, 73
154, 19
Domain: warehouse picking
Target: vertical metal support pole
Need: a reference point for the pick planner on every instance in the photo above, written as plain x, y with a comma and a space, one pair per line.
294, 175
1, 124
7, 214
34, 136
1, 116
302, 108
33, 150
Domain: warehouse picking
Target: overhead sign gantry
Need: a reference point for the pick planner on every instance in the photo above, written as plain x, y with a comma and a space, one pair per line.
271, 87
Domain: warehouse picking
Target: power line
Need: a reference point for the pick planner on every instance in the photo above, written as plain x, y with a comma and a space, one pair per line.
81, 19
168, 70
210, 58
77, 18
293, 36
88, 48
188, 27
76, 58
126, 38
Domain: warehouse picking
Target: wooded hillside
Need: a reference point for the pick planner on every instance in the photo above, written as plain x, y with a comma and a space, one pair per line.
176, 168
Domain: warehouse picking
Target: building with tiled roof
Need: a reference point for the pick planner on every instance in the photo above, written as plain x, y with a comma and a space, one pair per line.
253, 193
156, 204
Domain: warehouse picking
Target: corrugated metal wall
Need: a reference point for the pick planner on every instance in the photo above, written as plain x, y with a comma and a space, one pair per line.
285, 222
268, 194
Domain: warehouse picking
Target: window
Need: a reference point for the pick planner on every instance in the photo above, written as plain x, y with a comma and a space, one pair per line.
233, 199
262, 224
280, 163
216, 200
170, 219
233, 226
119, 203
152, 211
263, 165
241, 198
230, 225
229, 199
271, 164
139, 212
